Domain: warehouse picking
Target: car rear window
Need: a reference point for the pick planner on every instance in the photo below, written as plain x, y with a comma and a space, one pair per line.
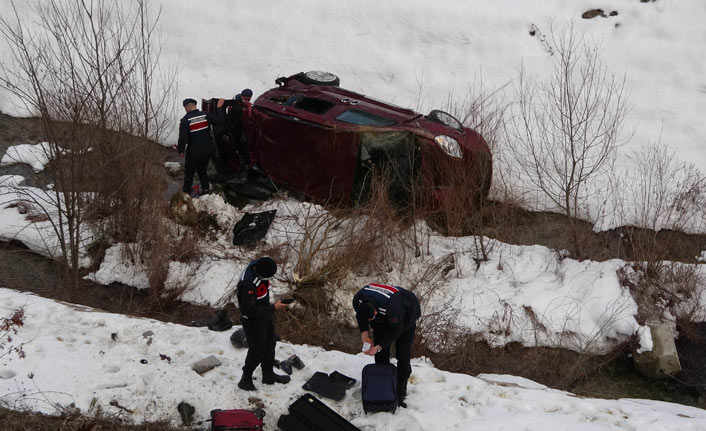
362, 118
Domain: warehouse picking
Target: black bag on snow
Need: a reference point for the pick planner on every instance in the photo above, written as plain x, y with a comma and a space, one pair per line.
220, 322
252, 227
333, 386
379, 391
309, 414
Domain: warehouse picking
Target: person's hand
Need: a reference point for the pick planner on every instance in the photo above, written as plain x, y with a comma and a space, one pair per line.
220, 103
174, 147
372, 351
279, 305
365, 338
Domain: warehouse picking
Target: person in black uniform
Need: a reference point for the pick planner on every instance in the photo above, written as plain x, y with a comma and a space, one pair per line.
258, 322
392, 313
196, 141
238, 118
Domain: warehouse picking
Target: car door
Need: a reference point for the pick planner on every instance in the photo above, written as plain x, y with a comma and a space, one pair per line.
292, 148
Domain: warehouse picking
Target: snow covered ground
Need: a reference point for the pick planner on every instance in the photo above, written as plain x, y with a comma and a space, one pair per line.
417, 54
147, 368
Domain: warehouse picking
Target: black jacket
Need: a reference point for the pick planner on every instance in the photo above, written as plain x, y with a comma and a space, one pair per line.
254, 295
398, 310
195, 133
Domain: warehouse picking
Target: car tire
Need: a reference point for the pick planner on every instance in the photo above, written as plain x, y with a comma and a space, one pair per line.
317, 77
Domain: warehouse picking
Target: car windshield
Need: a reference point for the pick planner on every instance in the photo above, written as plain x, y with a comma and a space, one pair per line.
361, 118
446, 119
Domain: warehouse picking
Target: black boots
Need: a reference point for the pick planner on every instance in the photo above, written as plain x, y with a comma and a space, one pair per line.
402, 393
246, 383
270, 378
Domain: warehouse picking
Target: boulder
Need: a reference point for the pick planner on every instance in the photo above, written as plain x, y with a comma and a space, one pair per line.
662, 361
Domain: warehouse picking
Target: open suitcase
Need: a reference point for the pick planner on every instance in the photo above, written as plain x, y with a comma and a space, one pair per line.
309, 414
237, 419
379, 391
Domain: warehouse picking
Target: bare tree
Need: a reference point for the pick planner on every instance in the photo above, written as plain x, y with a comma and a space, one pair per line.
484, 111
569, 124
89, 70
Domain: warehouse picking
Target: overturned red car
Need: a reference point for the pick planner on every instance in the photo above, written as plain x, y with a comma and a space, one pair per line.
314, 137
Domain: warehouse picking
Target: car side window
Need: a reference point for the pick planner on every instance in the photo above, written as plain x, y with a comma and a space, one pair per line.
315, 106
362, 118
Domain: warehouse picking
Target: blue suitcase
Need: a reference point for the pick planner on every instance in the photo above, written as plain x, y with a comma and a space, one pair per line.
379, 391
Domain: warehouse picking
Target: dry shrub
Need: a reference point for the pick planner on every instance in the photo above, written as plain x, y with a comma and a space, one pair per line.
337, 242
74, 420
663, 192
460, 350
665, 291
8, 328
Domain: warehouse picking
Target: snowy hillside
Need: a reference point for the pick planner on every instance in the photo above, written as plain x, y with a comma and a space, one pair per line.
146, 369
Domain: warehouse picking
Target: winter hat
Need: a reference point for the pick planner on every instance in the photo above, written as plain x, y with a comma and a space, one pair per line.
246, 93
366, 310
188, 101
265, 267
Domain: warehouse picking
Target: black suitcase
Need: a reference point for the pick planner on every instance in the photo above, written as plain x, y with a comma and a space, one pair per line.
309, 414
379, 392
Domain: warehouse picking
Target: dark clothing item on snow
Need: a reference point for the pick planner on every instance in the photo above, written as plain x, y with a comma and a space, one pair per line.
333, 386
396, 322
258, 322
220, 322
238, 339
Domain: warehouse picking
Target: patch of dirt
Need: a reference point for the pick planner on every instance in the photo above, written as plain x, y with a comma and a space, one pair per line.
12, 420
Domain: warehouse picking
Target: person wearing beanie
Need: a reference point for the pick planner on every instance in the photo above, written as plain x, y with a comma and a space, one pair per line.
196, 142
239, 119
392, 313
258, 322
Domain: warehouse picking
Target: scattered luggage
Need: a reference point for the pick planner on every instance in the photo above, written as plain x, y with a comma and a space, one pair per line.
252, 227
333, 386
238, 338
379, 391
237, 419
220, 322
287, 364
309, 414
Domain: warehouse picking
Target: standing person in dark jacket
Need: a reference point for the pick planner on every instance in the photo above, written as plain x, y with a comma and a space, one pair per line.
392, 313
258, 322
195, 139
238, 119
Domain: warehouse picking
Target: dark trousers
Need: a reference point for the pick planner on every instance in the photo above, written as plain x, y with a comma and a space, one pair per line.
403, 353
260, 334
192, 166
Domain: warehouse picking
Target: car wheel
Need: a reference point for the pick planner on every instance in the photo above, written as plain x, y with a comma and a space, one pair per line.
317, 77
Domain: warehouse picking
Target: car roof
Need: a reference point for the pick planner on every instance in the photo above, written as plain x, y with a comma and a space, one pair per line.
342, 101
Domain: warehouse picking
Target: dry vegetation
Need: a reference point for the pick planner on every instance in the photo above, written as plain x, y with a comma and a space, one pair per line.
106, 191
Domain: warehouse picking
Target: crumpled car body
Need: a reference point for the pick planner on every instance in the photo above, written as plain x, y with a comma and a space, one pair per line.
316, 138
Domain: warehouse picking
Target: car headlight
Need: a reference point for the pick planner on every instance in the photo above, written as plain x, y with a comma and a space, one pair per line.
449, 145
